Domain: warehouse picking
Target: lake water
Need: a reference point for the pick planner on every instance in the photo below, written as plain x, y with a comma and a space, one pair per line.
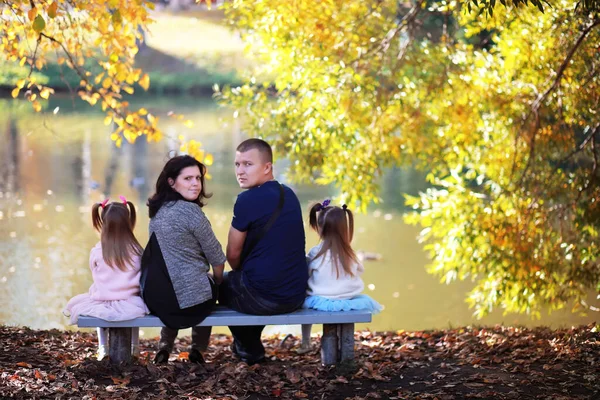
54, 166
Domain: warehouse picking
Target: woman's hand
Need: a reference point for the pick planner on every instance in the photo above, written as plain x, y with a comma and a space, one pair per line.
218, 273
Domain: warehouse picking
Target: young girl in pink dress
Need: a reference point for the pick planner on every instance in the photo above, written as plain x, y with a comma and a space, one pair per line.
115, 265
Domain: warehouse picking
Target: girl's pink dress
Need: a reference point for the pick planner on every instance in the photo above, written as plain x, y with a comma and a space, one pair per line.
114, 295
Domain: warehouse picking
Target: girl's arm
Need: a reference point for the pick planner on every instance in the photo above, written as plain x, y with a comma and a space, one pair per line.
360, 268
94, 257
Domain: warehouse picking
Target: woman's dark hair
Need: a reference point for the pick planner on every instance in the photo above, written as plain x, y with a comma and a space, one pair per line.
164, 191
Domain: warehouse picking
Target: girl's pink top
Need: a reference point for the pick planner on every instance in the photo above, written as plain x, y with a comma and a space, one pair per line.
112, 283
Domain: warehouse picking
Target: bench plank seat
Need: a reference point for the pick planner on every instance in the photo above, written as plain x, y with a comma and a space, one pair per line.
337, 342
223, 316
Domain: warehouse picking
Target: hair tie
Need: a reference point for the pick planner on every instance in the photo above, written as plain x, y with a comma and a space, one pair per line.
103, 204
123, 199
344, 207
326, 203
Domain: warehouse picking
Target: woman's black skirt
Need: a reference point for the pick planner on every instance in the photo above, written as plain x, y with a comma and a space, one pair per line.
159, 295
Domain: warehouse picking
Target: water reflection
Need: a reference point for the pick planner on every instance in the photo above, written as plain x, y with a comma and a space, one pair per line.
54, 167
10, 157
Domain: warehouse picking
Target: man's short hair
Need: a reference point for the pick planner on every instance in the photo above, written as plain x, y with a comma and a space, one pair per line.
263, 148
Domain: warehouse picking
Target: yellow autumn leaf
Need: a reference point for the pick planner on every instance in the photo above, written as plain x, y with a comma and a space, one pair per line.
98, 78
21, 83
45, 93
23, 61
107, 120
142, 111
37, 106
106, 83
144, 81
208, 160
15, 92
189, 123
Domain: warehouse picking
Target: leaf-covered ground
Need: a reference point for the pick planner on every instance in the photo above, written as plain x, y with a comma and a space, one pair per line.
493, 363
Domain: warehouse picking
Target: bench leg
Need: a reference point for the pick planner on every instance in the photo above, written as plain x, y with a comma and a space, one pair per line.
119, 345
329, 344
346, 342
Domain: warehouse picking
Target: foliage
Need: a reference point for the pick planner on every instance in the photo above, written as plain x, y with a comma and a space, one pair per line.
96, 41
499, 363
71, 32
502, 111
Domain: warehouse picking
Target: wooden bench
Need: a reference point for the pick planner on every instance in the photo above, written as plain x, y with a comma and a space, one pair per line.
337, 342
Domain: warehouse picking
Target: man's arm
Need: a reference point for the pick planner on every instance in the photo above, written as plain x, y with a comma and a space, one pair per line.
235, 244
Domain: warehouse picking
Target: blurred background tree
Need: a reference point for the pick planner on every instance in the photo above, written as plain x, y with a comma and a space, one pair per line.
498, 104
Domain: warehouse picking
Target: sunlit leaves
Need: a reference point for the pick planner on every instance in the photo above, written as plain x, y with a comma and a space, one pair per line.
194, 149
501, 113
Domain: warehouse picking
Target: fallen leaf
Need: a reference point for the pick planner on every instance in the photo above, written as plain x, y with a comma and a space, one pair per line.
121, 381
23, 364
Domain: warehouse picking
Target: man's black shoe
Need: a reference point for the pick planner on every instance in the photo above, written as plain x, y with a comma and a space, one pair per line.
247, 358
162, 357
196, 357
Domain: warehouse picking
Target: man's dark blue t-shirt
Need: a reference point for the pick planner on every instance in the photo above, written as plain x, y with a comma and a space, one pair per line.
276, 267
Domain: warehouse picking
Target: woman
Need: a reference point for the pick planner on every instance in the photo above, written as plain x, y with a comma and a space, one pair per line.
176, 284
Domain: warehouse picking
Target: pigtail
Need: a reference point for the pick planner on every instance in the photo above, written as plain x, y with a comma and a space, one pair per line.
313, 216
336, 230
132, 214
96, 218
350, 222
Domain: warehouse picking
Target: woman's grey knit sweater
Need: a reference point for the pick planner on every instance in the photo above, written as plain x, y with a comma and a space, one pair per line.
189, 247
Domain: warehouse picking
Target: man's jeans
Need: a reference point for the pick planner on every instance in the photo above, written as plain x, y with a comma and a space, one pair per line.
234, 294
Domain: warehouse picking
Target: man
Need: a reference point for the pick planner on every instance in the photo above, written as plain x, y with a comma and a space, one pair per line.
265, 251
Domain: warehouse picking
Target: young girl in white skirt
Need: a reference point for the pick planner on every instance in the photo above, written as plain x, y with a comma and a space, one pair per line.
334, 282
115, 266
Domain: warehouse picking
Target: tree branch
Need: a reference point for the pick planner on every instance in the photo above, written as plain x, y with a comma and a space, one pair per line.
561, 70
84, 77
586, 140
37, 44
543, 96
